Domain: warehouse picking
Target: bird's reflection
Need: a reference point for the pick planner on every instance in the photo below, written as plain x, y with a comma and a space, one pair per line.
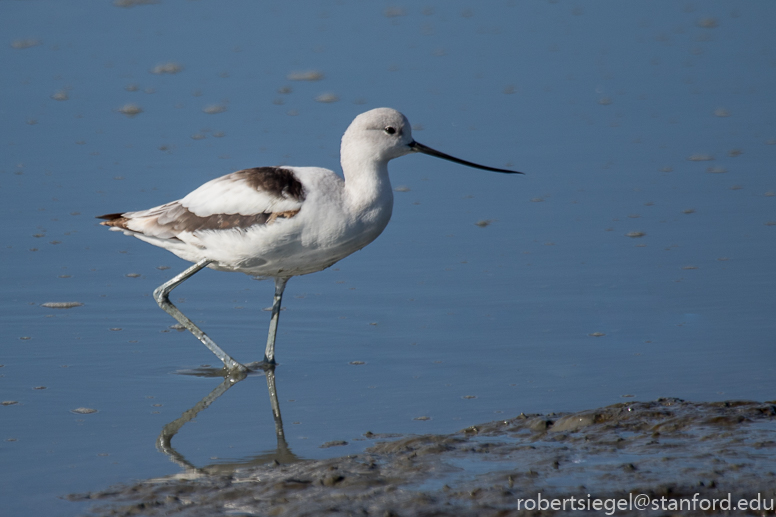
282, 454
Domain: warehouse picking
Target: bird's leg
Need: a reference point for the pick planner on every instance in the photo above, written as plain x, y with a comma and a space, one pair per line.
161, 295
269, 353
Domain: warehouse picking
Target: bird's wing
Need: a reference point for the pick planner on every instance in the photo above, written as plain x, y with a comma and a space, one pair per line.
238, 200
247, 192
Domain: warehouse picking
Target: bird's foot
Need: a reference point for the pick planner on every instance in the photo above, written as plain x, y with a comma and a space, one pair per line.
261, 365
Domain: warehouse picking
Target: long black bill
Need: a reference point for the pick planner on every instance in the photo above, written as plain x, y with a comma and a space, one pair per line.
420, 148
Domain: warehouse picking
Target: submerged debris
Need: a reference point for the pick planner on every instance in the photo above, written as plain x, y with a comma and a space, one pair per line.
214, 108
61, 305
130, 110
83, 411
310, 75
327, 98
167, 68
21, 44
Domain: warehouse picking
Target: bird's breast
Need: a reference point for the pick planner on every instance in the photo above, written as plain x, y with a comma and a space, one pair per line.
320, 234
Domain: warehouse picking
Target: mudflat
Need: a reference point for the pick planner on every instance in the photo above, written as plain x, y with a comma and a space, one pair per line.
634, 458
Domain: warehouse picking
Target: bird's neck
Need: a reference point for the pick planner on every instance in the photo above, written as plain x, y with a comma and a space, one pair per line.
367, 185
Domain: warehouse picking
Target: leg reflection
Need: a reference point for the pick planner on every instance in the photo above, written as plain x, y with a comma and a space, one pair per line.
273, 399
281, 455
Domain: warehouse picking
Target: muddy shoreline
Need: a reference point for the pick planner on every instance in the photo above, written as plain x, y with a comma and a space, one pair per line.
668, 448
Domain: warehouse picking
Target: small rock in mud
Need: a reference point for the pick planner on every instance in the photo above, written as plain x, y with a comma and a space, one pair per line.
335, 443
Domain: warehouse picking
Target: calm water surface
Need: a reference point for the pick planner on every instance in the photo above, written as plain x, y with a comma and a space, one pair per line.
634, 260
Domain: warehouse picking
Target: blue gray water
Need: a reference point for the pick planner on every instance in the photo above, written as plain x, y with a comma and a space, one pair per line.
634, 260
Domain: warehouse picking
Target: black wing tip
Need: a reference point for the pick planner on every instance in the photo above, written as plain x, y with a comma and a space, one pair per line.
110, 217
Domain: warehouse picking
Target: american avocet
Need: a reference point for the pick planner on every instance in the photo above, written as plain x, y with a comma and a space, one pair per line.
279, 222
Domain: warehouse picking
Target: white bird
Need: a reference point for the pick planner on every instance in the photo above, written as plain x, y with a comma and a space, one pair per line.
279, 222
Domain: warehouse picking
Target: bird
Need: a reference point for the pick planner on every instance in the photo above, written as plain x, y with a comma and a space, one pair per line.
282, 221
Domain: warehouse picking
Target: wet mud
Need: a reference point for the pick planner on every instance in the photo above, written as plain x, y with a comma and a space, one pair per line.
667, 450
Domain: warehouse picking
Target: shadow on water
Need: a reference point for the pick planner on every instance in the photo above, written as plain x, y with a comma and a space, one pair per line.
281, 455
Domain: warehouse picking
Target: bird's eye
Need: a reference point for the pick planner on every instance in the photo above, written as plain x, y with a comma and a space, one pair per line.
390, 130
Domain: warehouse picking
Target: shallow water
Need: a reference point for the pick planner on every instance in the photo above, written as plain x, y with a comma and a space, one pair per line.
634, 259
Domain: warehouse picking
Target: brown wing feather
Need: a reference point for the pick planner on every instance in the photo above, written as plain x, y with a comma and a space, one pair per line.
117, 220
171, 219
